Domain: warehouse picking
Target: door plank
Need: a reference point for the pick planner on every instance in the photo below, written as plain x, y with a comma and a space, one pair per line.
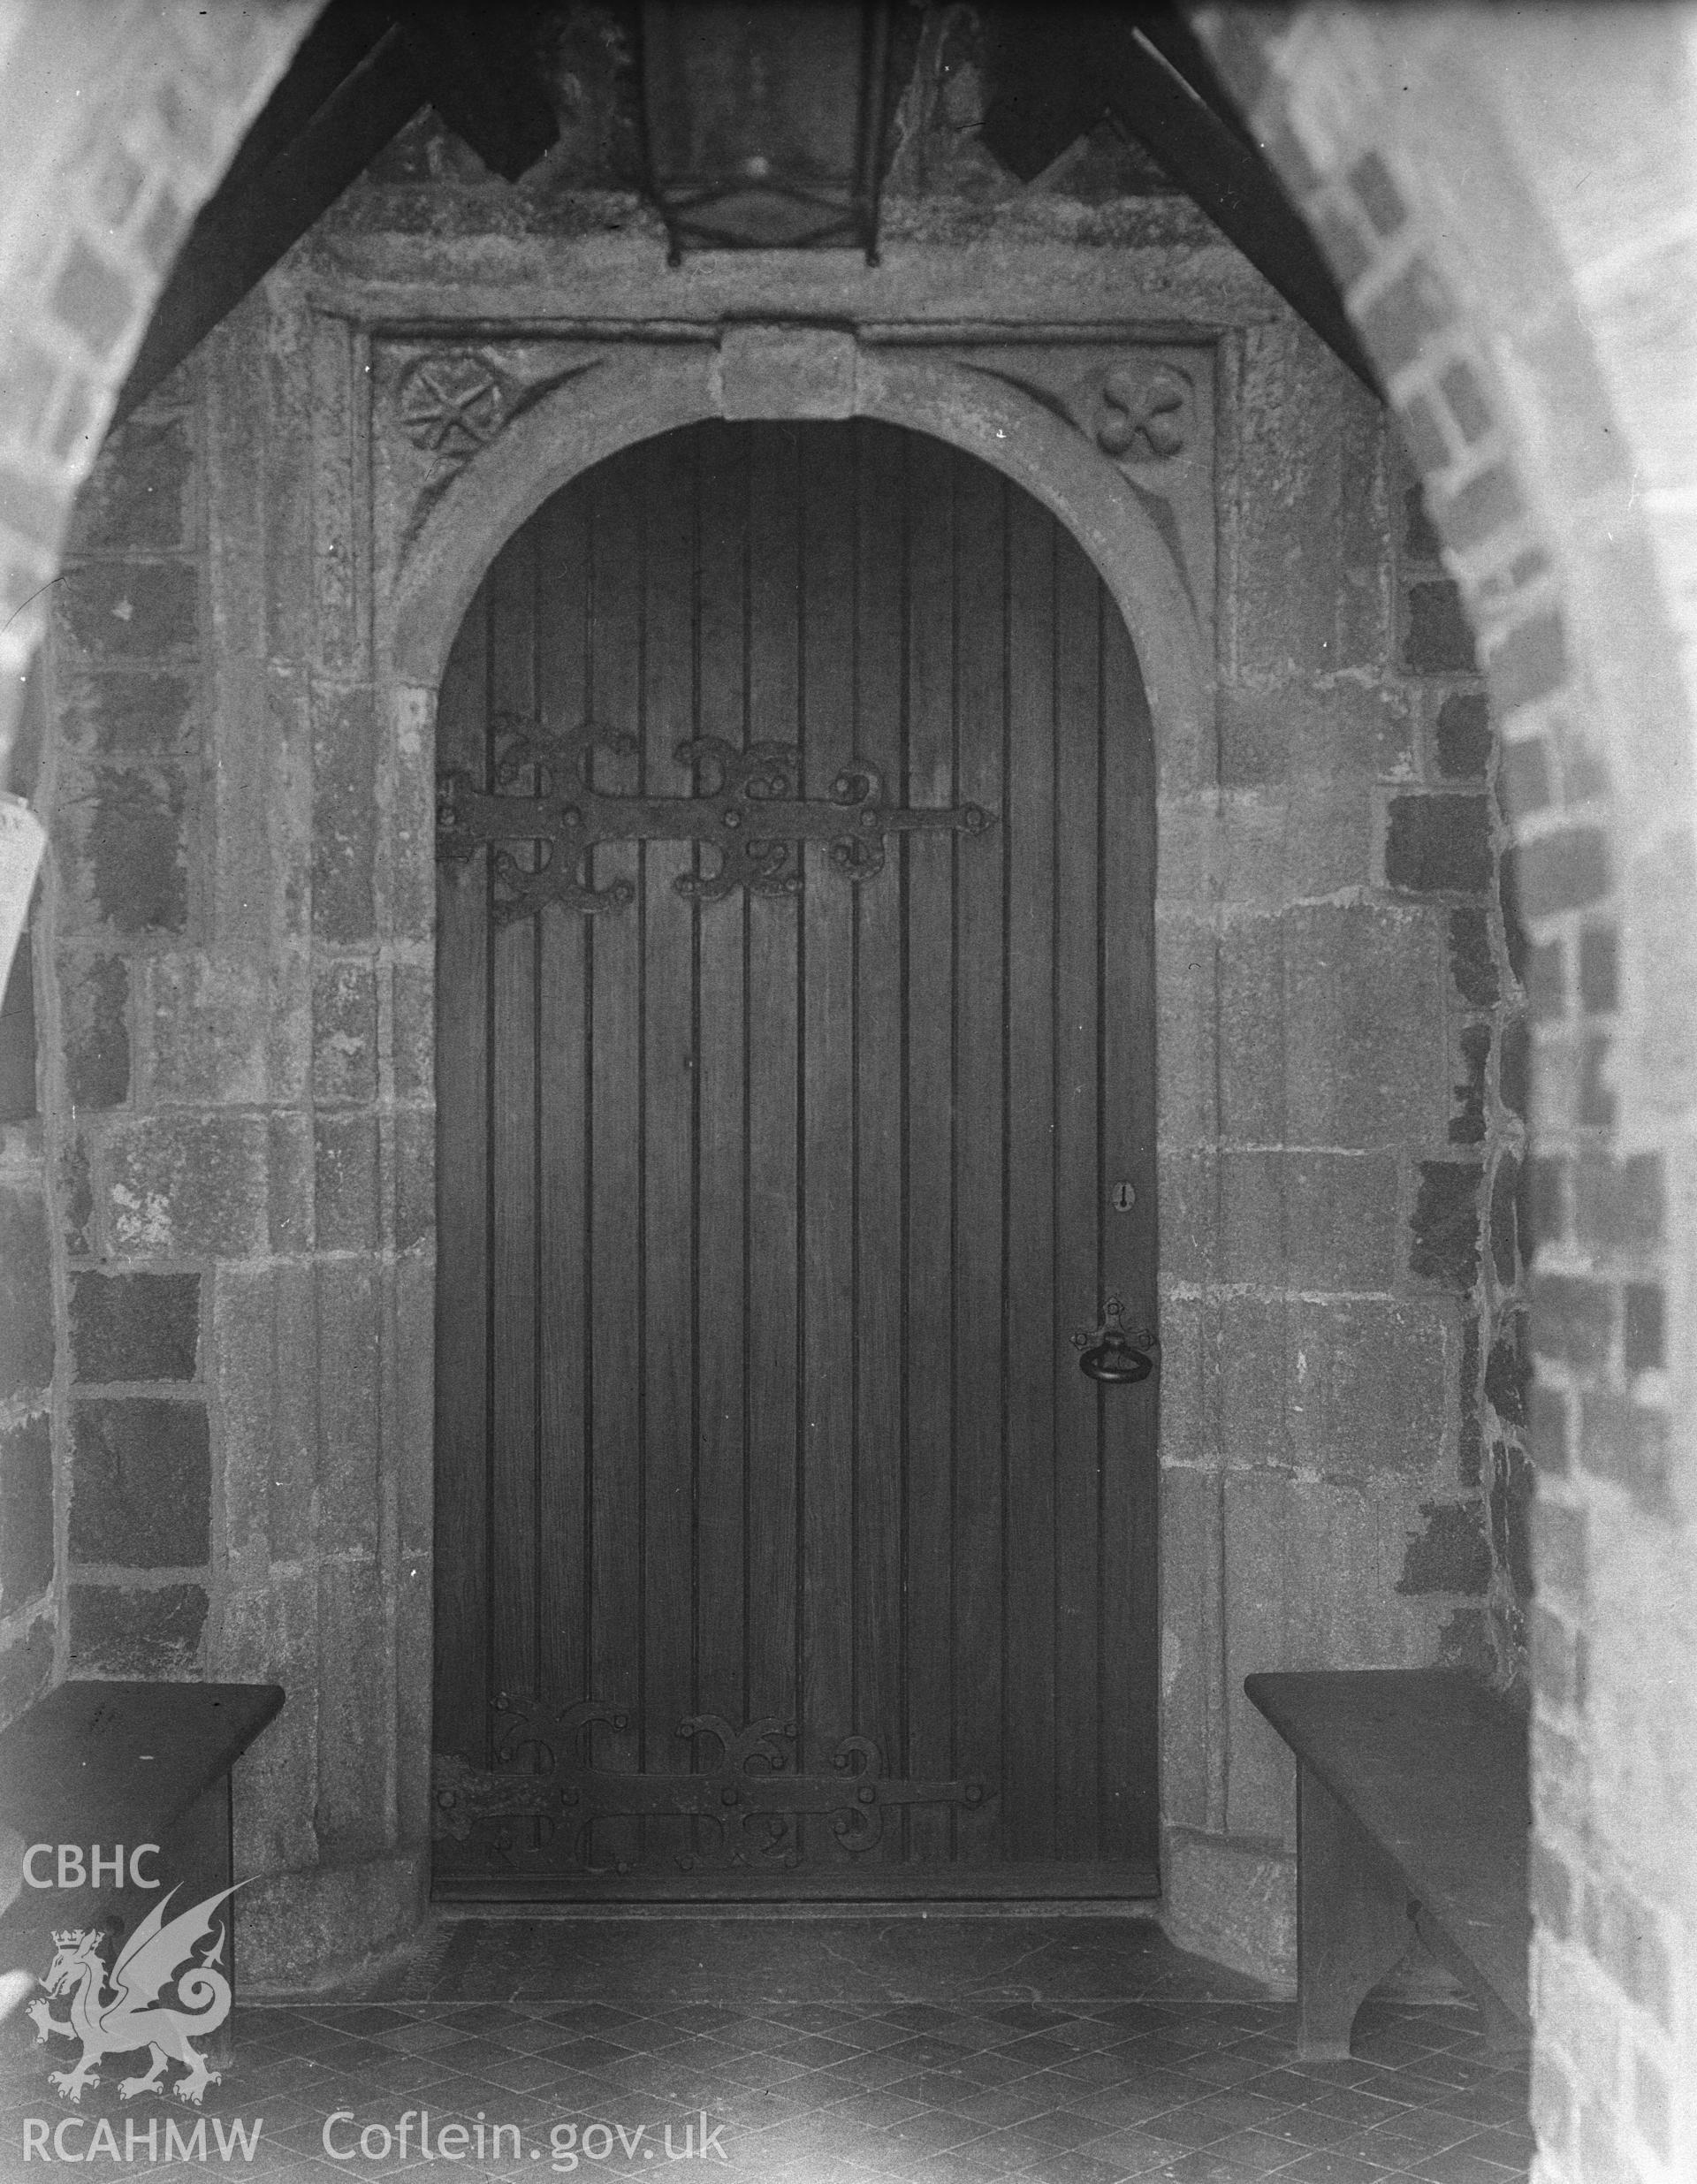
929, 1172
982, 1362
721, 1580
826, 1208
773, 1094
1033, 1309
1129, 1726
617, 1312
462, 1231
666, 478
1080, 1404
512, 1195
880, 583
562, 1154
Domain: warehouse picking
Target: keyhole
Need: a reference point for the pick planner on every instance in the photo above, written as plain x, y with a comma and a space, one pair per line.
1124, 1198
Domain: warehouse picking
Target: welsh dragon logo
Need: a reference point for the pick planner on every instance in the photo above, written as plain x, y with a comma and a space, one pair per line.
131, 2014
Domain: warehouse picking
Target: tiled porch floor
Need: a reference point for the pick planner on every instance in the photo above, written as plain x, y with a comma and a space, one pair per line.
826, 2050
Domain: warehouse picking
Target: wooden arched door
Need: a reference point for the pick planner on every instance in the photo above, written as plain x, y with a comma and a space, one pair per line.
782, 1545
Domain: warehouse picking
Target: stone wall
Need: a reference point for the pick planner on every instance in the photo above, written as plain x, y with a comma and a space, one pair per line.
1513, 212
221, 1128
117, 118
239, 1023
122, 680
1343, 1399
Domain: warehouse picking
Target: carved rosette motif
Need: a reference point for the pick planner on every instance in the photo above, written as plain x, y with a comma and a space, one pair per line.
438, 405
450, 404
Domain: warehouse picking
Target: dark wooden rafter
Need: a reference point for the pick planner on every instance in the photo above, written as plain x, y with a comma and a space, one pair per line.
479, 64
367, 66
362, 72
1054, 72
1169, 30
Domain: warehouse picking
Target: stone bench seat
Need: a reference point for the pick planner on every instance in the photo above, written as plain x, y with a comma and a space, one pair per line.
1413, 1813
94, 1768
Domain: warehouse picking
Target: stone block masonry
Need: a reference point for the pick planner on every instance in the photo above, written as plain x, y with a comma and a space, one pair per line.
1340, 1397
29, 1355
118, 123
244, 1230
225, 1141
133, 1431
1522, 273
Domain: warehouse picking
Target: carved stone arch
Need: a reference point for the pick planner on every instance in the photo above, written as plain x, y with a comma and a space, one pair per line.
634, 394
613, 396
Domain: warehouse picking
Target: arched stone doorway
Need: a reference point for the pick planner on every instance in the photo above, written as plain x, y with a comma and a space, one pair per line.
773, 1179
784, 374
1330, 90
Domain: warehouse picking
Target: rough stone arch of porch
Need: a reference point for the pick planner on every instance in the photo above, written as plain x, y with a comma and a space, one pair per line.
1509, 209
656, 391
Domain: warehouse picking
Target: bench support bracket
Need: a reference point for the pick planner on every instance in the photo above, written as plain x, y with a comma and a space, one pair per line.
1352, 1919
1503, 2029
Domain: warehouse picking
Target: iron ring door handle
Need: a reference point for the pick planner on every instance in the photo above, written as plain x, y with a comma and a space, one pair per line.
1112, 1357
1114, 1362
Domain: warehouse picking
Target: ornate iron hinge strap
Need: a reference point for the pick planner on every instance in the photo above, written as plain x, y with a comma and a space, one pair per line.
751, 1796
747, 808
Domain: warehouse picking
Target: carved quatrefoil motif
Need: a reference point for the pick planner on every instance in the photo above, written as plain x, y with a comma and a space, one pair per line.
1146, 413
